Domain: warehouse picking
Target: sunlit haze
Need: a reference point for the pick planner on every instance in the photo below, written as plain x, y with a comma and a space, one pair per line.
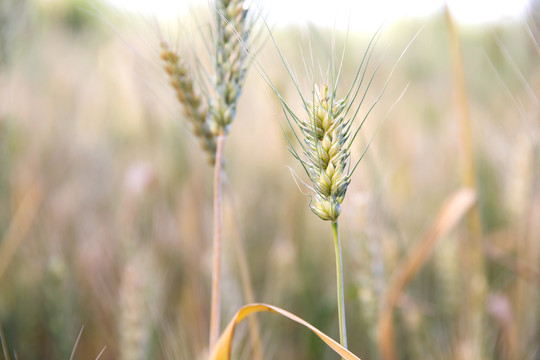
363, 15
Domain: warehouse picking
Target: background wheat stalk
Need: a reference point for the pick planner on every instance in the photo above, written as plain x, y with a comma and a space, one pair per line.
211, 122
233, 27
472, 257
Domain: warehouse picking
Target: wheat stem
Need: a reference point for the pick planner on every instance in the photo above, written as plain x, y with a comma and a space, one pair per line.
340, 290
472, 256
216, 246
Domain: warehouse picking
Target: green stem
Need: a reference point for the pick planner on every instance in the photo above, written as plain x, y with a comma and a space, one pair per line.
216, 262
340, 291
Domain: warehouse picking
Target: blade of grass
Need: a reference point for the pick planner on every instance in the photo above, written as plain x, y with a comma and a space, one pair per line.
471, 250
4, 346
452, 211
222, 351
72, 356
101, 352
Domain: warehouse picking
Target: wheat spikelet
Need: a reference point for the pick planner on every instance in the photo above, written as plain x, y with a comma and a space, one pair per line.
233, 29
191, 102
326, 133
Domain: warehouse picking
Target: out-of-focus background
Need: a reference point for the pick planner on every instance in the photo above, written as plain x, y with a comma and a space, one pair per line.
105, 196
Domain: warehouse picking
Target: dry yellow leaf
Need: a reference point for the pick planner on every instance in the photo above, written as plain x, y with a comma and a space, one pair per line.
222, 351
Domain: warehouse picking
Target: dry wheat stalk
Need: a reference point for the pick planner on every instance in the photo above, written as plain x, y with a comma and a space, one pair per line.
212, 124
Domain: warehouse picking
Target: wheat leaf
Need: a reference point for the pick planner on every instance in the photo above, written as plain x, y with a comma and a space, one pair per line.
222, 350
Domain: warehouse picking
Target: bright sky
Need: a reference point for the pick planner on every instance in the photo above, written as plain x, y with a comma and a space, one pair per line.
365, 14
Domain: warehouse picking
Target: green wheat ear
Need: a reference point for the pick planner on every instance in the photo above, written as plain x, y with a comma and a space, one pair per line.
234, 25
325, 132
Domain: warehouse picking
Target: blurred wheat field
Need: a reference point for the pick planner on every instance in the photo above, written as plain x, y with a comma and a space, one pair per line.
106, 204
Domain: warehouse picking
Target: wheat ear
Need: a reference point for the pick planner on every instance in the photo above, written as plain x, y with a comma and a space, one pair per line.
230, 63
192, 104
325, 133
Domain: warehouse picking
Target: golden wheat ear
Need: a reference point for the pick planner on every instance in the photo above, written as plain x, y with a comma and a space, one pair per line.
186, 93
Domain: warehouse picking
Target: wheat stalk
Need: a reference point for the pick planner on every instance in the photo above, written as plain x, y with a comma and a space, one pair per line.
134, 325
472, 261
325, 139
212, 123
230, 65
327, 131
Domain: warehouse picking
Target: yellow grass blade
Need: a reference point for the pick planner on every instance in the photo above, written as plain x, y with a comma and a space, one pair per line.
472, 258
222, 351
451, 212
